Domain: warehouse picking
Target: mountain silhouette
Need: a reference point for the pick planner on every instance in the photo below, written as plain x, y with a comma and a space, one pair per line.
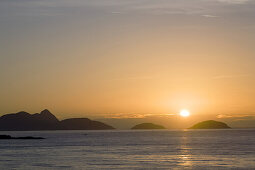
210, 124
23, 121
148, 126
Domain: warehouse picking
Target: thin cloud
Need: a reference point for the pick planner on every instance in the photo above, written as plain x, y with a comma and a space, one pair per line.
238, 117
136, 78
134, 115
116, 12
234, 1
230, 76
210, 16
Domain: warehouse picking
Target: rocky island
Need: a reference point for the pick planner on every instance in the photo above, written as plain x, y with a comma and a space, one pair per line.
148, 126
25, 137
23, 121
210, 124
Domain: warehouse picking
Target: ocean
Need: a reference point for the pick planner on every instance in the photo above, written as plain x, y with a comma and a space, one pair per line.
131, 149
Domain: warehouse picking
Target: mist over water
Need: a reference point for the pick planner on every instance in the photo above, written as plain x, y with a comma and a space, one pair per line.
154, 149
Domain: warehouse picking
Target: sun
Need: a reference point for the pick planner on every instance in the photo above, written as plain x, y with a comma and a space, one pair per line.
184, 113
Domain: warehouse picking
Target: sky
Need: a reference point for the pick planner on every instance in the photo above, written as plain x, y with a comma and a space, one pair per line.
129, 59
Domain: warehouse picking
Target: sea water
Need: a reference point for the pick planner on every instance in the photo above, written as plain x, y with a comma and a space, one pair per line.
132, 149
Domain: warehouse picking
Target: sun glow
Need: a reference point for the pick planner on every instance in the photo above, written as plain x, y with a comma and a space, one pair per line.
184, 113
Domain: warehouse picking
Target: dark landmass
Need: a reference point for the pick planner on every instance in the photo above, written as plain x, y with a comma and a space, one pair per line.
148, 126
82, 123
26, 137
23, 121
210, 124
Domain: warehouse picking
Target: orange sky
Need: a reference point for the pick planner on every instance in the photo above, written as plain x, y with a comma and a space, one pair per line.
102, 59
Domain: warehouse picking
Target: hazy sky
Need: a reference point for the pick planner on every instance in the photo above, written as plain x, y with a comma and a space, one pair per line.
128, 58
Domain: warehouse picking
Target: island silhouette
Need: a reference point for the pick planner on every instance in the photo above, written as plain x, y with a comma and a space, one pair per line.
210, 124
45, 120
148, 126
25, 137
23, 121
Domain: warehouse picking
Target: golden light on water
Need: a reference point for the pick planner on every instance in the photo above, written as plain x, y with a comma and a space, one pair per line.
184, 113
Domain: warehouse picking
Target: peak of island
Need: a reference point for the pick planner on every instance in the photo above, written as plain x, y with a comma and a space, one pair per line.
210, 124
148, 126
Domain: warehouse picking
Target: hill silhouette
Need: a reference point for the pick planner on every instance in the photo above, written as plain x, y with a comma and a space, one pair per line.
210, 124
23, 121
148, 126
82, 123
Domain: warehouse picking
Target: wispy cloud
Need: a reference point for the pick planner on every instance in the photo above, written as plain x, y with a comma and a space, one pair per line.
234, 1
230, 76
134, 115
135, 78
235, 116
116, 12
210, 16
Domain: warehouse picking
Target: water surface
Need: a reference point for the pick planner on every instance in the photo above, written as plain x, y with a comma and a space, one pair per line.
159, 149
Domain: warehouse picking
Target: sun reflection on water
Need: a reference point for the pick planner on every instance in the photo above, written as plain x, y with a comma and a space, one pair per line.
184, 157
